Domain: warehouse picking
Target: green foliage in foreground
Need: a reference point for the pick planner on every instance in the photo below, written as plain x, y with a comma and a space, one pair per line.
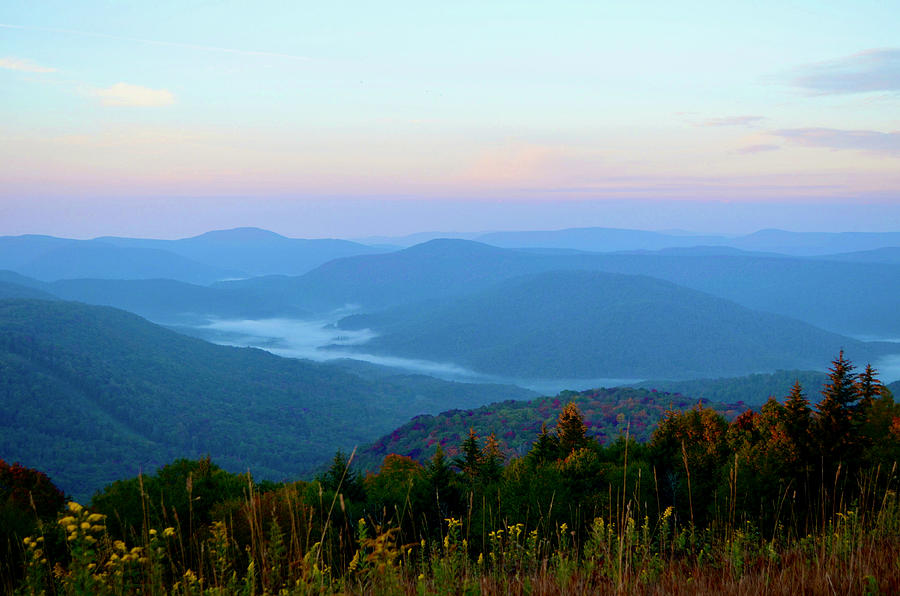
788, 498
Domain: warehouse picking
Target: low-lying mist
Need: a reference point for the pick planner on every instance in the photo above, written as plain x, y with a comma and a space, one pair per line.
319, 340
315, 340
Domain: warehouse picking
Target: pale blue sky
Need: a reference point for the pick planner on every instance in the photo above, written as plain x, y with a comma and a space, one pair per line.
171, 118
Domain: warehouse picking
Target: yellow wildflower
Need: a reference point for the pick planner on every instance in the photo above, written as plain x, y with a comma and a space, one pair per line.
169, 532
85, 526
95, 518
68, 520
119, 545
97, 528
153, 531
74, 507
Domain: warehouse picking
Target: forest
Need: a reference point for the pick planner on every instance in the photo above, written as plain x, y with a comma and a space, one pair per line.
791, 497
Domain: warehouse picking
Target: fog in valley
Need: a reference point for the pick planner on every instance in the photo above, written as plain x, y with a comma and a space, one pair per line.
320, 340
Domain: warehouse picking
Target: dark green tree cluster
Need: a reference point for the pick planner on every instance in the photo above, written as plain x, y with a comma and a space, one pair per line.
28, 499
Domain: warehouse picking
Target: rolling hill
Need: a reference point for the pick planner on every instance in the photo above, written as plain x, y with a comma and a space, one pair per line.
843, 297
753, 390
92, 394
203, 259
254, 251
608, 414
772, 241
47, 258
580, 324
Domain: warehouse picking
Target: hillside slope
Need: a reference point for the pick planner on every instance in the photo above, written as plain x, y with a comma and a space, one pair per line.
608, 414
844, 297
581, 324
92, 394
254, 251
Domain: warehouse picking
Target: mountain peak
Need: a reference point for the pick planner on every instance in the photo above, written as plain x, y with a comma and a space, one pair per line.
240, 235
453, 246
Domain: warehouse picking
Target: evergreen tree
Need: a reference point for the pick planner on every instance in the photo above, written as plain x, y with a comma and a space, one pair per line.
341, 478
797, 418
545, 448
442, 487
868, 387
491, 460
570, 430
836, 412
469, 460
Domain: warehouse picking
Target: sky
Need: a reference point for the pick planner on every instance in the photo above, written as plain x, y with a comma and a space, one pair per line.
348, 119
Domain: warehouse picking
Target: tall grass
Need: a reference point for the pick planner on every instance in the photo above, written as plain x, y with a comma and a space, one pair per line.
278, 542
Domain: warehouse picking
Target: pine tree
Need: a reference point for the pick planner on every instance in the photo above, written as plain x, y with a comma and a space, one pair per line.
442, 488
570, 430
545, 448
341, 478
491, 460
868, 387
797, 419
469, 460
836, 412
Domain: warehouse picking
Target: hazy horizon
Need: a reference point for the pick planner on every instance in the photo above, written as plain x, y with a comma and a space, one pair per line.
168, 119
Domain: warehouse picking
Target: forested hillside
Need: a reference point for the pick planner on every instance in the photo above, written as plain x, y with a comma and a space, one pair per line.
860, 304
609, 414
92, 394
753, 389
581, 324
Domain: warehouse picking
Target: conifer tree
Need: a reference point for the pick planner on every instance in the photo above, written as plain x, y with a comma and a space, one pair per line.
491, 460
341, 478
570, 429
836, 411
440, 479
545, 448
868, 387
797, 418
469, 460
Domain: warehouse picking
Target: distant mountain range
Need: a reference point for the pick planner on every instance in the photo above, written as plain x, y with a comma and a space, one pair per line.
93, 394
613, 240
580, 324
214, 256
458, 301
844, 297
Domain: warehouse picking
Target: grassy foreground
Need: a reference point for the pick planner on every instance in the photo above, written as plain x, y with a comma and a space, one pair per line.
854, 553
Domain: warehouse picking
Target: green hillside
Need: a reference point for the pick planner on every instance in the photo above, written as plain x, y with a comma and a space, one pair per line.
608, 414
580, 324
92, 394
